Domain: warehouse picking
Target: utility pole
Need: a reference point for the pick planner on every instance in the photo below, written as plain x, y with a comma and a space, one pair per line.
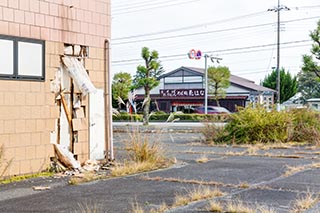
278, 9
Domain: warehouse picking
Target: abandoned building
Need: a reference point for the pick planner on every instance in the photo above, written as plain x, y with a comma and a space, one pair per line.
183, 88
54, 82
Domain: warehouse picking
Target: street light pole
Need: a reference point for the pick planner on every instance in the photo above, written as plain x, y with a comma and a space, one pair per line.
197, 55
206, 84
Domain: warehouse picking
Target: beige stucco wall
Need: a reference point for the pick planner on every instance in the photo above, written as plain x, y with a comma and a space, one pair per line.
27, 108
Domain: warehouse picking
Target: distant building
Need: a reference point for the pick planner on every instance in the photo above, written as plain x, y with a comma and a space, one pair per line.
183, 88
314, 103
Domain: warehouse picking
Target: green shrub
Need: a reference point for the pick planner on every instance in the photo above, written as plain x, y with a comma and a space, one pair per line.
161, 116
160, 113
251, 125
158, 117
212, 133
127, 117
305, 126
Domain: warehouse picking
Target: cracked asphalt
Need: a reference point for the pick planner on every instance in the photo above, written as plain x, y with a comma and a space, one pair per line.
275, 177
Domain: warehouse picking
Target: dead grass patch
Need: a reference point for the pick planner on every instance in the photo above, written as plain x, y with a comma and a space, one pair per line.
136, 208
84, 177
195, 194
238, 206
198, 182
143, 155
215, 206
244, 185
305, 202
198, 193
202, 159
248, 152
295, 169
161, 209
87, 207
129, 168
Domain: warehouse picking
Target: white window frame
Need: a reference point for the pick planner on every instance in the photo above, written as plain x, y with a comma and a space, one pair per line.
40, 58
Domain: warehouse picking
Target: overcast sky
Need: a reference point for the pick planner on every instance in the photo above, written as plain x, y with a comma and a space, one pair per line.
241, 32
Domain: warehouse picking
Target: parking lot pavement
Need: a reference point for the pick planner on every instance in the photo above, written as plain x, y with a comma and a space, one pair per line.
273, 177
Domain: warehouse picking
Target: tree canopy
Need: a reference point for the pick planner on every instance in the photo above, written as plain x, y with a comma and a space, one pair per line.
218, 81
308, 85
147, 77
311, 62
121, 85
288, 84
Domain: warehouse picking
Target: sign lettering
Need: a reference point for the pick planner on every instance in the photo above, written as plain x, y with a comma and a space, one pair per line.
182, 92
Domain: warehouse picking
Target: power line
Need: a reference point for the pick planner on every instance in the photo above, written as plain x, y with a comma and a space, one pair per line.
308, 7
194, 34
189, 27
223, 50
144, 4
210, 32
132, 3
181, 44
155, 7
183, 56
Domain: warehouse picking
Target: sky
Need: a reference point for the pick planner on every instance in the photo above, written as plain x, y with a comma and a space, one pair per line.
241, 32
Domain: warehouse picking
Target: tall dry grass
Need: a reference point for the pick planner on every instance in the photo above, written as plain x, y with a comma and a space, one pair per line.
143, 153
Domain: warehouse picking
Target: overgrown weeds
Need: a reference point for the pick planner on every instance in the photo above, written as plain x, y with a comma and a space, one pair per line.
84, 177
25, 177
252, 125
87, 207
137, 208
237, 207
305, 202
202, 159
305, 126
213, 133
141, 149
143, 155
197, 193
295, 169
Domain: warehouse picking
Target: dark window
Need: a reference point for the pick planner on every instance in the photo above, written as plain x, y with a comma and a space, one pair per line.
22, 58
163, 106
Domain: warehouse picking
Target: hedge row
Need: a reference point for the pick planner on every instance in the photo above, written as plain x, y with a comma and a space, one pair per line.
164, 117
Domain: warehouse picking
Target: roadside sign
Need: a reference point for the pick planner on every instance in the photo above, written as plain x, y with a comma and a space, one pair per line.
195, 54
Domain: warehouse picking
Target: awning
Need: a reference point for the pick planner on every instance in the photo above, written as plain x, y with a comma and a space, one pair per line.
185, 103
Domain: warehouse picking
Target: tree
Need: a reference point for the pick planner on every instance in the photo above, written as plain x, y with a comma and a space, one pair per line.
308, 85
218, 81
121, 85
288, 84
310, 62
147, 77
